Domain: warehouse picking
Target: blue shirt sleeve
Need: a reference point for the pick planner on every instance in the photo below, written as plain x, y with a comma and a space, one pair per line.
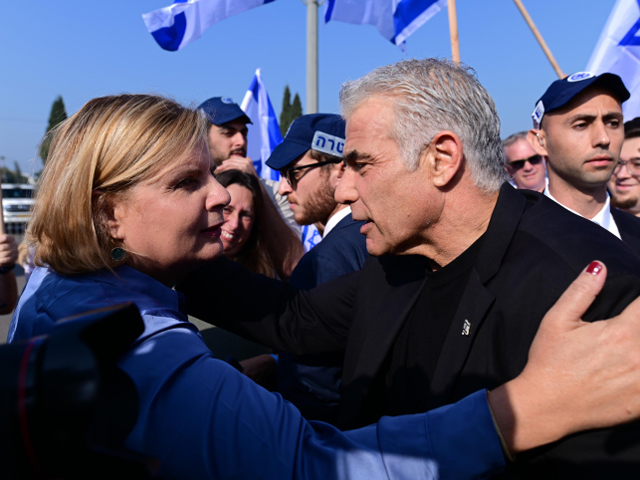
202, 419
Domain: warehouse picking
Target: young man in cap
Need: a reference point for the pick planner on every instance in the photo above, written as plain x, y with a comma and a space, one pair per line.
624, 185
578, 129
524, 166
228, 146
310, 163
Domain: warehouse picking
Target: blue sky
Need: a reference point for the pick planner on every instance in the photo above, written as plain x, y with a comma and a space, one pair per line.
84, 49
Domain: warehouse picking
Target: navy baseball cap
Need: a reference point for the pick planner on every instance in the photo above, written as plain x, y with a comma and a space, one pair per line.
563, 91
323, 132
221, 110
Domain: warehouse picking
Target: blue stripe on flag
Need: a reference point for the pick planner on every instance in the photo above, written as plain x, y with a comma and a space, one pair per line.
407, 11
254, 88
329, 10
630, 38
170, 38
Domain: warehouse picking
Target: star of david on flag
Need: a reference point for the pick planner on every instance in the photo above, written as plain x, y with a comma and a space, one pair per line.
618, 51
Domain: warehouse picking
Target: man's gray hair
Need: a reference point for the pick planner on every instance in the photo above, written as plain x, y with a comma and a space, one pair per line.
511, 139
432, 95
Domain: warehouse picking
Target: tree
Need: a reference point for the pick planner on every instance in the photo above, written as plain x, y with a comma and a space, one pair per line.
58, 115
19, 177
289, 111
296, 108
285, 114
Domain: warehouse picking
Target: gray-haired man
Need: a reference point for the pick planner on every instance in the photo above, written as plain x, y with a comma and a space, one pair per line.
467, 266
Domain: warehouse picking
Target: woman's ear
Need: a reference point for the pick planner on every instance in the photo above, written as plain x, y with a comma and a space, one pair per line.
108, 215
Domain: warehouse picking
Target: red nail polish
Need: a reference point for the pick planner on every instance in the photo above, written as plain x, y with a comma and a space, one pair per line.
594, 268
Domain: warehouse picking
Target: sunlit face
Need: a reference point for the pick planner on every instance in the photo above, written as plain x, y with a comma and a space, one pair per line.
531, 173
398, 206
228, 140
239, 217
312, 200
624, 188
171, 223
583, 140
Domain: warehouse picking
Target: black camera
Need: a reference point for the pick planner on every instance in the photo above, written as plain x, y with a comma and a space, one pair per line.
65, 406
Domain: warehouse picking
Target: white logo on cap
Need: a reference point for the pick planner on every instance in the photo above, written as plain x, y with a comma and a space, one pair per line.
227, 100
330, 144
577, 77
538, 112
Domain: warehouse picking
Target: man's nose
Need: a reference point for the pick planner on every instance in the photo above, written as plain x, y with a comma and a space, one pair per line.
239, 140
284, 188
600, 135
346, 190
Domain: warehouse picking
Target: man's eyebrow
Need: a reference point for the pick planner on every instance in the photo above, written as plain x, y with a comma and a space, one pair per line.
354, 155
612, 115
582, 116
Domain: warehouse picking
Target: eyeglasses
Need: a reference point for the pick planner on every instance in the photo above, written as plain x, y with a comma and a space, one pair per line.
518, 164
633, 167
294, 174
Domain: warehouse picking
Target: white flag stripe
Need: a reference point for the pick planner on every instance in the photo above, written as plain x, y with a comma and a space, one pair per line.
264, 135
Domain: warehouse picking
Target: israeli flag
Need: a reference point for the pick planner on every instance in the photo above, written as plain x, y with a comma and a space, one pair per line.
310, 237
178, 25
264, 135
618, 51
394, 19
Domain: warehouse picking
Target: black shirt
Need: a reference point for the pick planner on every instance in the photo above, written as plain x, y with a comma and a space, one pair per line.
410, 365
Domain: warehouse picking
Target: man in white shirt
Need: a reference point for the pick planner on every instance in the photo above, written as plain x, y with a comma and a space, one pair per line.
578, 129
624, 185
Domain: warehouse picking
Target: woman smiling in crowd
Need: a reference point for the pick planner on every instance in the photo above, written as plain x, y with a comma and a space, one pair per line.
243, 231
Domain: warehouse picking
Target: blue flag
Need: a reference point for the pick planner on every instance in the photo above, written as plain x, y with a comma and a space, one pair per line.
178, 25
618, 51
394, 19
264, 134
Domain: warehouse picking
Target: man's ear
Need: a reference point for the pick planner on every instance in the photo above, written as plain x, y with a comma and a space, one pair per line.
444, 157
107, 215
537, 140
337, 170
509, 171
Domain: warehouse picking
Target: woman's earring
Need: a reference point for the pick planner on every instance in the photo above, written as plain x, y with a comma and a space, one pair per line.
118, 254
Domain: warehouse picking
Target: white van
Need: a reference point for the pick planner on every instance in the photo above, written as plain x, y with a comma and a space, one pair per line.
17, 202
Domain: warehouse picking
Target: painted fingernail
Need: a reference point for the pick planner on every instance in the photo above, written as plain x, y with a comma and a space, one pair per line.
594, 268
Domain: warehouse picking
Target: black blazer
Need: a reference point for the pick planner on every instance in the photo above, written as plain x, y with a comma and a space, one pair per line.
629, 228
532, 250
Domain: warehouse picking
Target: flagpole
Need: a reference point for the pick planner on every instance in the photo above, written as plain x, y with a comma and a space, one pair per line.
453, 30
312, 56
541, 41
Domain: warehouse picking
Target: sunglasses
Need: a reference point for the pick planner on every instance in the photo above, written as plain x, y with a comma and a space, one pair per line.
294, 174
518, 164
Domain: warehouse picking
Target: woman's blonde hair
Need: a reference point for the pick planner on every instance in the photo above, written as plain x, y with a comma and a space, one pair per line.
99, 153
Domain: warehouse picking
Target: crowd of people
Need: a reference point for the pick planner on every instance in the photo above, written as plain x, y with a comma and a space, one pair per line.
426, 336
